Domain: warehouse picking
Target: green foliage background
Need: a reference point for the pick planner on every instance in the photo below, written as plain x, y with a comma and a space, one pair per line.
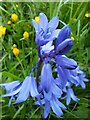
16, 68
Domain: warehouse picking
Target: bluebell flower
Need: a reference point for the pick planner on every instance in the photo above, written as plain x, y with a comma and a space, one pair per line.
45, 31
69, 94
12, 89
63, 42
53, 103
63, 34
64, 65
74, 76
81, 77
48, 82
62, 46
47, 48
77, 77
28, 88
65, 62
21, 90
51, 92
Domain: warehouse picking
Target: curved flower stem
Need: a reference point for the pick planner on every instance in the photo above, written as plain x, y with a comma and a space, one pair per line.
62, 22
38, 65
38, 74
38, 70
33, 68
39, 53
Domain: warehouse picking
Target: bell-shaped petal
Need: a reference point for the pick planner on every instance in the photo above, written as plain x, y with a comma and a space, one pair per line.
60, 104
56, 90
62, 79
33, 87
66, 62
68, 99
40, 40
45, 31
46, 76
74, 80
46, 109
13, 92
10, 86
64, 34
28, 88
52, 25
43, 21
47, 48
40, 103
55, 107
70, 94
64, 47
78, 77
24, 92
47, 95
55, 33
12, 98
70, 91
36, 26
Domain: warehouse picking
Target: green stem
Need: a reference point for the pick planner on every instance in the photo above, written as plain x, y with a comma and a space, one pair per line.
88, 59
21, 65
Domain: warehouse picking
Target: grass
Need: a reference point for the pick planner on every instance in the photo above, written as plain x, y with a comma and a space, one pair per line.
14, 68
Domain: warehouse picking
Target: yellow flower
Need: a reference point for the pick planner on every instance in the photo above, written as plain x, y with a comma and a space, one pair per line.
25, 35
2, 30
9, 22
72, 37
87, 15
37, 19
14, 17
16, 51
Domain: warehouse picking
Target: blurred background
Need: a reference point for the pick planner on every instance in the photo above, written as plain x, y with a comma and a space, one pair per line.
19, 52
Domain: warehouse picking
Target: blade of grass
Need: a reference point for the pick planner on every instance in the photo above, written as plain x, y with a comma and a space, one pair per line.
4, 10
3, 57
19, 62
18, 111
21, 66
78, 8
34, 112
8, 74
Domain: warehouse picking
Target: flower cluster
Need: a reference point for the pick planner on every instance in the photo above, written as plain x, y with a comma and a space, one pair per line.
53, 45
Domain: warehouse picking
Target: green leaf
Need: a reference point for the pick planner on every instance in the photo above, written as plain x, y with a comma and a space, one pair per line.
18, 111
8, 74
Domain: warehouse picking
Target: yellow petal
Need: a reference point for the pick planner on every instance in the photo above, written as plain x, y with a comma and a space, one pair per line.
14, 17
37, 19
25, 35
87, 15
9, 22
16, 51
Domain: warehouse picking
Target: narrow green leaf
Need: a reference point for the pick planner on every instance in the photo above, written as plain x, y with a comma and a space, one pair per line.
4, 10
18, 111
8, 74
